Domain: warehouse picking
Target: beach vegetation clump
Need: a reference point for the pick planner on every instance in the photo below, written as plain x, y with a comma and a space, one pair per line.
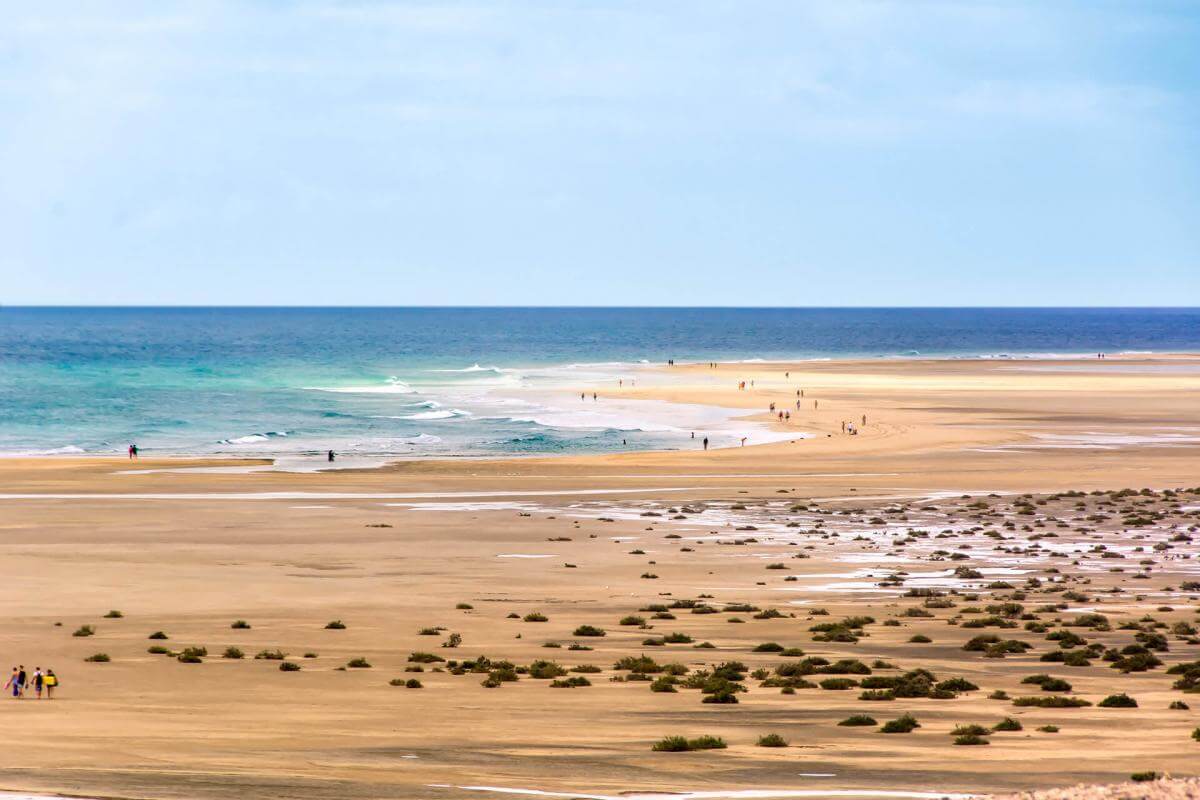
590, 630
545, 670
1008, 724
838, 684
589, 669
677, 638
289, 666
535, 616
1118, 701
114, 614
572, 682
335, 625
98, 658
233, 652
1051, 701
970, 730
240, 625
642, 663
906, 723
84, 630
681, 744
463, 606
858, 721
1048, 683
358, 663
970, 739
420, 657
664, 684
919, 638
768, 647
453, 640
158, 650
1049, 729
1142, 777
270, 655
771, 740
633, 619
158, 635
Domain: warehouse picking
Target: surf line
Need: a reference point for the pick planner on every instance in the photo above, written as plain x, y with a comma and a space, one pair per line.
342, 495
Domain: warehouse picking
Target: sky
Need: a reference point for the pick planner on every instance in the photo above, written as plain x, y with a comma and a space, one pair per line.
593, 152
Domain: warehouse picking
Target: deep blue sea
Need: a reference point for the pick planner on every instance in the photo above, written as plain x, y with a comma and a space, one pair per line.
458, 381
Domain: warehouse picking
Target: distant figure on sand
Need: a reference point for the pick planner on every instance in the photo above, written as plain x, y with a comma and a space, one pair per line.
705, 442
14, 683
51, 683
743, 441
133, 452
39, 682
330, 455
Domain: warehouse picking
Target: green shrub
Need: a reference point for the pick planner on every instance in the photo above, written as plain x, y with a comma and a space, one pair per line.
289, 666
570, 683
589, 630
84, 630
536, 616
1007, 724
424, 658
240, 625
1053, 701
1142, 777
970, 739
970, 730
545, 670
858, 720
233, 652
335, 625
358, 663
772, 740
681, 744
158, 650
1118, 701
921, 638
114, 614
903, 724
633, 620
159, 635
98, 658
270, 655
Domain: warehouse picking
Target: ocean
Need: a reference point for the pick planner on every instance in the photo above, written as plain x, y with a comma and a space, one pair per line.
422, 382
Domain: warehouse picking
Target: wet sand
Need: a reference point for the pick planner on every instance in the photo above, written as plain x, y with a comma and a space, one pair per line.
392, 551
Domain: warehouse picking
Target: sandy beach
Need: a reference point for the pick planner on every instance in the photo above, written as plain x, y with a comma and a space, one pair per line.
406, 555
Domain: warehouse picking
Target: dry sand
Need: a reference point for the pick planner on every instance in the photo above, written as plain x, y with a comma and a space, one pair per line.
147, 725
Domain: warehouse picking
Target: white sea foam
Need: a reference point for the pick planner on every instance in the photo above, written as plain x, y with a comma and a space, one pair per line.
254, 438
67, 450
392, 385
448, 413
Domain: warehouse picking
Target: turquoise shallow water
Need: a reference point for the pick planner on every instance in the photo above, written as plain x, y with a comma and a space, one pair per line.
447, 381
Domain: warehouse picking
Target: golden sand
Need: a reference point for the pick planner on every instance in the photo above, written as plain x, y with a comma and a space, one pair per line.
145, 725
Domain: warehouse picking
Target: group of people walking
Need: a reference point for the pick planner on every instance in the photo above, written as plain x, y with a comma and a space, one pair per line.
21, 681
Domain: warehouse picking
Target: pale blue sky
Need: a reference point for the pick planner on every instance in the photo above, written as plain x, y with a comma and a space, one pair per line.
895, 152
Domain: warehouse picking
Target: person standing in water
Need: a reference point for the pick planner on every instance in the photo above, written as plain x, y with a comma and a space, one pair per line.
330, 455
705, 442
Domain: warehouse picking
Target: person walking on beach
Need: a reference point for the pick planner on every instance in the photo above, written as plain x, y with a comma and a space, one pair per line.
133, 452
13, 684
743, 441
705, 442
39, 682
864, 420
51, 683
22, 680
330, 455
